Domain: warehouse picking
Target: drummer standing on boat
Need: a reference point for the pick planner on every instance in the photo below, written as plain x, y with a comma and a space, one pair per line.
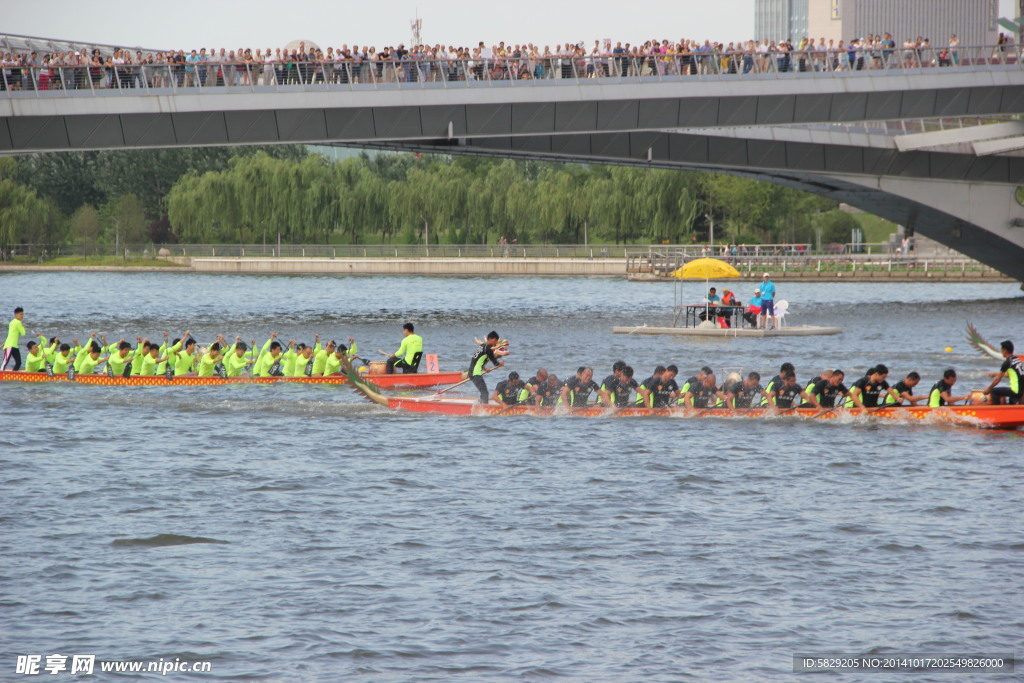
483, 355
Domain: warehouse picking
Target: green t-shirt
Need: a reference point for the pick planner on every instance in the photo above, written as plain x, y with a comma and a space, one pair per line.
411, 345
207, 364
14, 332
61, 363
233, 365
117, 363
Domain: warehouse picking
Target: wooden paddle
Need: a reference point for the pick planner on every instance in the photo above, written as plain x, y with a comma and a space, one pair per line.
495, 367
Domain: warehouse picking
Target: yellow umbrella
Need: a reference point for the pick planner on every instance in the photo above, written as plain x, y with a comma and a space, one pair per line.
705, 269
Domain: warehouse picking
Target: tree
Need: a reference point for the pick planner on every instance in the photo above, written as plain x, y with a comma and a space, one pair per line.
86, 227
124, 222
25, 217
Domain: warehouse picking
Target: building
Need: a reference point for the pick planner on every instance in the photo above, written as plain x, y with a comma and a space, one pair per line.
973, 21
776, 20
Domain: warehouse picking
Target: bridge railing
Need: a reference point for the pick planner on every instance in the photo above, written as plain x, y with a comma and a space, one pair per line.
256, 75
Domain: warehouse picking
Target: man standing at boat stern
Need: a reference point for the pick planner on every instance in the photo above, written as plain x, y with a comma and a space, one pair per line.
476, 364
15, 331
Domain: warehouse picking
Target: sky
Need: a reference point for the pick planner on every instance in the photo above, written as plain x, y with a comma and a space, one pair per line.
330, 23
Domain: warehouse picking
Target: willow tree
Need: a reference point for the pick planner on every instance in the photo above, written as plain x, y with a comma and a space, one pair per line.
24, 216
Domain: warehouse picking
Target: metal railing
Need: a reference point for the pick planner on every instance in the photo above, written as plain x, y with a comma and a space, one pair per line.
159, 75
674, 255
817, 264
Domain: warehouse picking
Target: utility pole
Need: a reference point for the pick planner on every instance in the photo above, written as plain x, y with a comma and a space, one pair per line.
711, 231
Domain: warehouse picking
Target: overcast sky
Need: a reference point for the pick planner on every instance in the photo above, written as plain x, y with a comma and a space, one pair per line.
330, 23
264, 23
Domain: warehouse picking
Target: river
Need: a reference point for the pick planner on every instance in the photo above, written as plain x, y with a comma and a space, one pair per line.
298, 533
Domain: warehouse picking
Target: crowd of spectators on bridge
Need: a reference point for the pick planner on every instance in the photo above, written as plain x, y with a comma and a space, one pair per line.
124, 68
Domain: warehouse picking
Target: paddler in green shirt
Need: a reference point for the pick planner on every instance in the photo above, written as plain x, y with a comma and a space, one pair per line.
305, 361
405, 356
119, 362
321, 360
269, 358
151, 362
210, 360
15, 331
236, 359
35, 361
182, 359
333, 363
84, 351
62, 360
86, 362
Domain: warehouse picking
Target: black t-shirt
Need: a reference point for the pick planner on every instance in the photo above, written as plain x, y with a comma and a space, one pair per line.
935, 395
661, 390
508, 391
744, 396
827, 393
870, 391
622, 389
900, 388
703, 396
609, 383
548, 395
1014, 366
579, 391
785, 396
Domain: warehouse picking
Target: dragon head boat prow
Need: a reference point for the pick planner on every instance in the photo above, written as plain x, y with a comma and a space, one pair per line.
362, 385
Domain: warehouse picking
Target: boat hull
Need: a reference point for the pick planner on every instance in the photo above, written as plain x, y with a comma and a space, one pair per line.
419, 380
983, 416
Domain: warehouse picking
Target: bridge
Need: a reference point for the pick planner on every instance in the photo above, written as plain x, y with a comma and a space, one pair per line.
927, 141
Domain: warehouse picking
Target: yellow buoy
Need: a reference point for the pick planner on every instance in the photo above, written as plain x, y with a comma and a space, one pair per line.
949, 349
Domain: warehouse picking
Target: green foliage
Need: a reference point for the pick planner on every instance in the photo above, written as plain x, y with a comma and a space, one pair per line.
24, 216
836, 226
251, 194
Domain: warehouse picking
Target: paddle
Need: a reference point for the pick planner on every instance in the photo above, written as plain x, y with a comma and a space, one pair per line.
463, 381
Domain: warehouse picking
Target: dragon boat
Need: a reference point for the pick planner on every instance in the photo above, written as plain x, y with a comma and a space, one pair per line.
417, 380
980, 416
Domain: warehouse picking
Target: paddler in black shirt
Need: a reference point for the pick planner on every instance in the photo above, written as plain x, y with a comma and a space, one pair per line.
704, 394
547, 393
577, 389
866, 391
904, 390
825, 391
744, 394
624, 387
507, 391
527, 394
942, 391
787, 394
694, 381
607, 389
775, 382
658, 390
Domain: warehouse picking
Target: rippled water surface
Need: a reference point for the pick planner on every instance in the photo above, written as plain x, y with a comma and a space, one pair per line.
296, 533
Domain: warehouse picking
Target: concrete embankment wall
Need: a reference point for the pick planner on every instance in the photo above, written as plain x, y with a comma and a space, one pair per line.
414, 266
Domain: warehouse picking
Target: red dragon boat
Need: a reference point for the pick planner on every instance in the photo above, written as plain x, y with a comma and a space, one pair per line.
417, 380
980, 416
